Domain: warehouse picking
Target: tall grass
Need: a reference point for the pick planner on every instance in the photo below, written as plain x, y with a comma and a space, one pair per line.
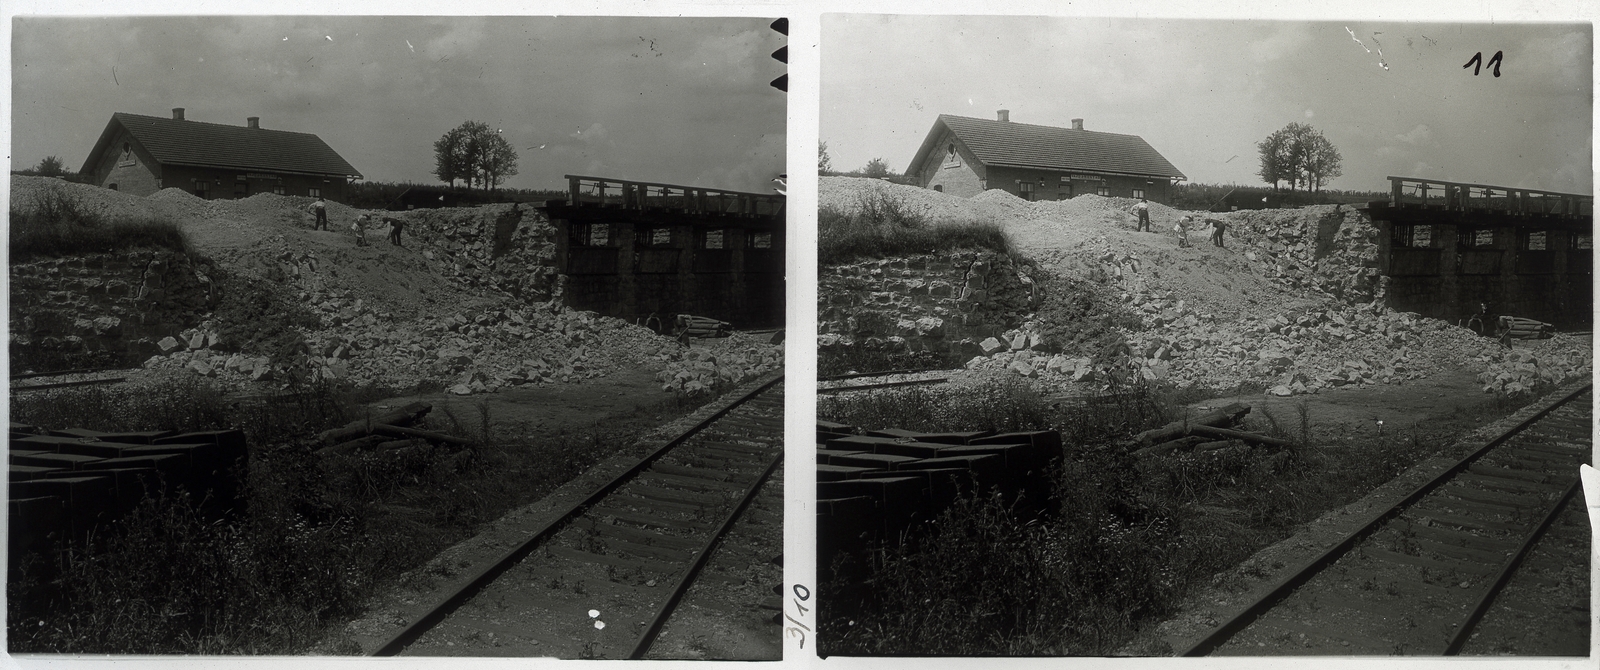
316, 537
59, 224
884, 224
1128, 539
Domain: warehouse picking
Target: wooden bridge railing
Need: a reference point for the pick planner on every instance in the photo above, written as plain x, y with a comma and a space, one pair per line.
1434, 193
691, 199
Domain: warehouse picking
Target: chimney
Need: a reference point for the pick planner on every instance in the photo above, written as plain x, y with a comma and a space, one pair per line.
177, 113
253, 122
1077, 124
1004, 114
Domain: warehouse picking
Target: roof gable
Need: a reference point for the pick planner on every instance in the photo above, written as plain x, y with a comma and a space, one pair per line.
180, 142
1025, 145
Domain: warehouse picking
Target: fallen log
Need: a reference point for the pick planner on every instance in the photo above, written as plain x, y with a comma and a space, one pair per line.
1225, 416
404, 416
1226, 434
398, 431
358, 444
1170, 445
1215, 445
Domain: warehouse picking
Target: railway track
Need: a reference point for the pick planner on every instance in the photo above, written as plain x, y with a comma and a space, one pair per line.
603, 579
1418, 577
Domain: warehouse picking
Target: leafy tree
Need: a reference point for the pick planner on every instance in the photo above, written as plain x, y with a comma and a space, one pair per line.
51, 166
876, 168
824, 162
1299, 154
450, 157
476, 153
1322, 162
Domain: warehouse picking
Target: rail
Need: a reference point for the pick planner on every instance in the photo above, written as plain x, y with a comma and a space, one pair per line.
1466, 197
1245, 617
639, 195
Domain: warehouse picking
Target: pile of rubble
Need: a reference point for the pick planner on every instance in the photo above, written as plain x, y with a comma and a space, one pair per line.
1531, 365
1323, 248
715, 365
1289, 353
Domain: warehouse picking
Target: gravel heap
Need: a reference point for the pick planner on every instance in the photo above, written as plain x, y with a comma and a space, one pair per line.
717, 364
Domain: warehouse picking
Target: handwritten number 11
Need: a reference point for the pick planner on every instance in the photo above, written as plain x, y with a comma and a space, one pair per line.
1477, 62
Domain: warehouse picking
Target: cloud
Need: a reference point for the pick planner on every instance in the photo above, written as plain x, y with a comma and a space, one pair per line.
1418, 135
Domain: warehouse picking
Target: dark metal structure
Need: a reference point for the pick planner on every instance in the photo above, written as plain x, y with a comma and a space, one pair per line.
631, 249
1448, 247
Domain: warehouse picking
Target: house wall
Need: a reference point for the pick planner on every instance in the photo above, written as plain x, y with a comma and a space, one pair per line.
230, 186
1048, 184
134, 172
962, 177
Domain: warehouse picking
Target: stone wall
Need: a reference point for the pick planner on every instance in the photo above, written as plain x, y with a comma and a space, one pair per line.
103, 309
945, 304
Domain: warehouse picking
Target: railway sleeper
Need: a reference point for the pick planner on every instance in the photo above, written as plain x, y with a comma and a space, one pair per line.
678, 495
1509, 473
658, 501
1461, 490
1353, 603
647, 537
690, 471
650, 521
741, 457
1406, 587
1496, 509
1511, 484
748, 449
1564, 445
689, 482
1428, 563
591, 558
1453, 536
1290, 630
1461, 553
1448, 518
1539, 458
627, 545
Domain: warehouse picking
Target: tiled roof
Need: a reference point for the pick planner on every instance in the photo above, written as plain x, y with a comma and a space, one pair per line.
175, 142
1011, 144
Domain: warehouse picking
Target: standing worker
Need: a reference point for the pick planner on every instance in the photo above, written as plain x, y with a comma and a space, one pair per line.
1142, 208
394, 230
360, 228
320, 208
1182, 230
1217, 226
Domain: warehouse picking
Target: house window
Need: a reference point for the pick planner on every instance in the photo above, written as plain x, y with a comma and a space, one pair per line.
1104, 190
1581, 241
315, 192
939, 187
760, 240
127, 157
200, 188
653, 237
1025, 189
279, 190
1138, 193
112, 186
950, 157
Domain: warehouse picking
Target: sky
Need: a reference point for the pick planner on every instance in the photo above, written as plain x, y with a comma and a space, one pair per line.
1394, 98
671, 100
